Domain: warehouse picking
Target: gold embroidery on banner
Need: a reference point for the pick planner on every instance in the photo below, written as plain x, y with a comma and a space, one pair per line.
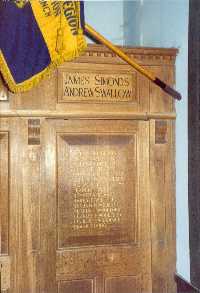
20, 3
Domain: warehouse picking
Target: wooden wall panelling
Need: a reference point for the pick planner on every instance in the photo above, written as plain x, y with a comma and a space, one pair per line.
144, 214
159, 61
137, 253
162, 179
24, 209
34, 132
74, 214
5, 274
171, 208
4, 210
97, 83
101, 261
148, 56
123, 284
143, 93
4, 192
41, 97
17, 128
159, 101
31, 205
169, 77
101, 88
97, 58
4, 96
77, 286
3, 91
48, 202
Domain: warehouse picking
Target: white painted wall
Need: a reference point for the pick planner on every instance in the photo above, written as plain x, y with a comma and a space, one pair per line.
156, 23
107, 18
164, 23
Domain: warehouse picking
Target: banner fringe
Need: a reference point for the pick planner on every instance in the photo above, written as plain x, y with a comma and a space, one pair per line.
33, 81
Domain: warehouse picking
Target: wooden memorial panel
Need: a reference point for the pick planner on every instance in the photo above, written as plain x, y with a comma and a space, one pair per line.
99, 82
100, 229
92, 83
96, 189
87, 179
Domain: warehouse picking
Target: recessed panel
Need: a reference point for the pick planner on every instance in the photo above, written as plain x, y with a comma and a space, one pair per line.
130, 284
76, 286
97, 85
96, 189
33, 131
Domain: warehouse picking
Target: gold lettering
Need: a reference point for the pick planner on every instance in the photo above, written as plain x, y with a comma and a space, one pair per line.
94, 204
78, 86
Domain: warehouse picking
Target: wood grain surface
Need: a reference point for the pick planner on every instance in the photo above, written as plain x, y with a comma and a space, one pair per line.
87, 184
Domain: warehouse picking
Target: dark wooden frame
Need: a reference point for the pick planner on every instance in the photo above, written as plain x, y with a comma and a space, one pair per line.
194, 139
184, 287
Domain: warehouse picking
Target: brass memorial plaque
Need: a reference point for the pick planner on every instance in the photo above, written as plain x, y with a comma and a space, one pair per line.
97, 86
97, 193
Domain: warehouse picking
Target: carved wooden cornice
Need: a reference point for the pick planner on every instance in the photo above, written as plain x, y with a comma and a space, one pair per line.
142, 54
144, 98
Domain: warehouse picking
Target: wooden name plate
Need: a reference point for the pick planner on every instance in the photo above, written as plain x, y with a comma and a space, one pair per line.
95, 85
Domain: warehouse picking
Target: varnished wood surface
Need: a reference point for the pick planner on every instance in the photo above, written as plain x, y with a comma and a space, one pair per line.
147, 97
87, 188
88, 115
4, 192
150, 55
162, 192
97, 250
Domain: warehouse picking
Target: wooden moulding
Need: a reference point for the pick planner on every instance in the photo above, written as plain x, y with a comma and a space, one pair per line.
142, 54
100, 84
89, 115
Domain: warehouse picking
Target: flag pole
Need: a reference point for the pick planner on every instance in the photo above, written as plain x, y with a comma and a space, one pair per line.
166, 88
